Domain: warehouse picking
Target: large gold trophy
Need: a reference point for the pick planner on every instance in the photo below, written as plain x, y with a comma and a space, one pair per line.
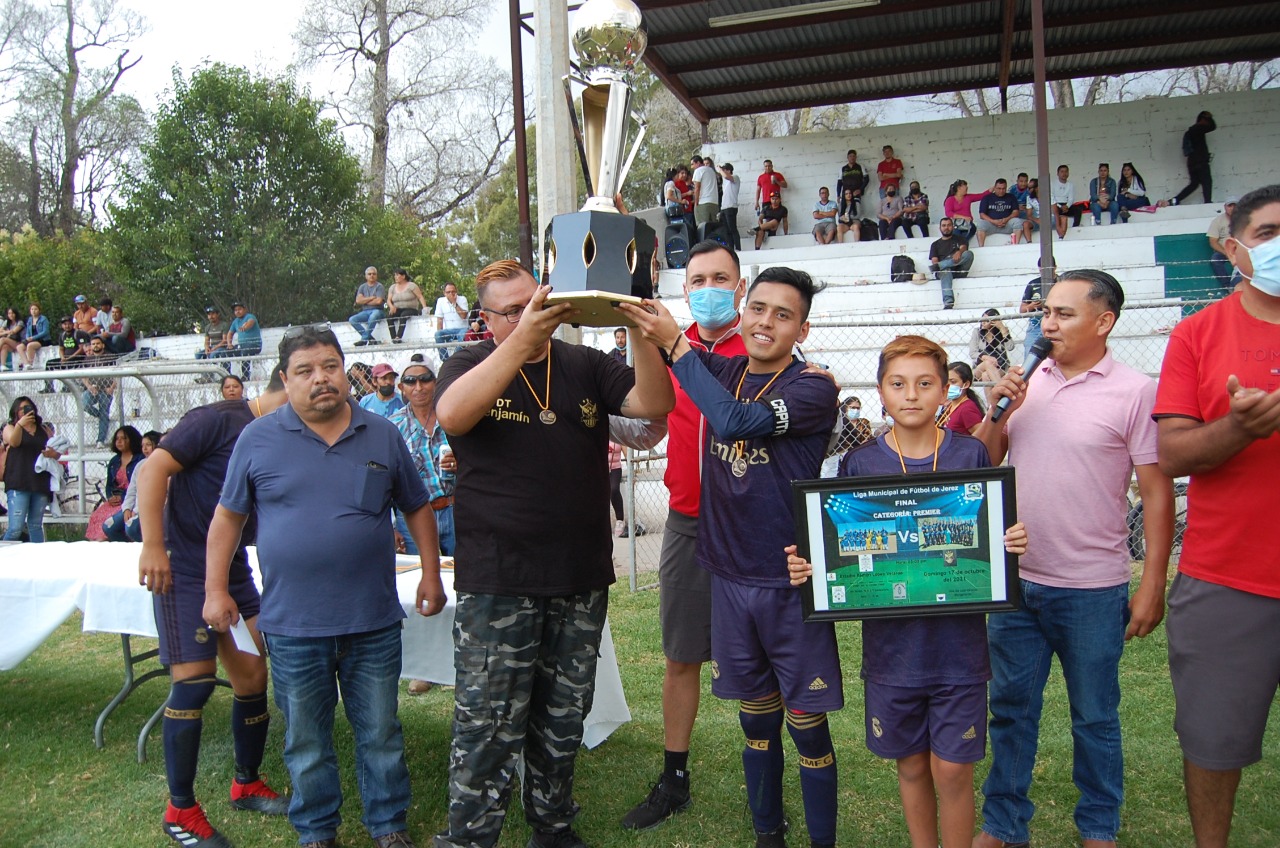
598, 257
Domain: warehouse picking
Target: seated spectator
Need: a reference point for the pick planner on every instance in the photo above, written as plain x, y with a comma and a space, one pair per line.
963, 411
1217, 234
404, 301
772, 218
959, 208
232, 388
371, 298
847, 217
824, 214
73, 345
215, 340
384, 399
989, 348
477, 329
126, 447
915, 211
244, 337
451, 318
1063, 196
1102, 195
1132, 191
85, 316
104, 315
671, 201
124, 525
949, 257
998, 213
1031, 210
852, 178
98, 391
117, 331
1020, 189
890, 213
10, 338
35, 335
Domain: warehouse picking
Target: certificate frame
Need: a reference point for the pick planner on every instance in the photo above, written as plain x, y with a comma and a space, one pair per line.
898, 546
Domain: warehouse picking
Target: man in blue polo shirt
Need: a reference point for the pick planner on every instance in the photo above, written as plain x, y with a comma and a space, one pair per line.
321, 474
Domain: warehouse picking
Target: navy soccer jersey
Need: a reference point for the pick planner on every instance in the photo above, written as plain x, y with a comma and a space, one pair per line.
746, 516
927, 650
202, 442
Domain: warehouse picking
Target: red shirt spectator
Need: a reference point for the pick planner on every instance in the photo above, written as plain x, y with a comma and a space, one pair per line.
889, 170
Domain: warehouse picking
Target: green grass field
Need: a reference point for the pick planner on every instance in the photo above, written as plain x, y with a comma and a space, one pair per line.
59, 791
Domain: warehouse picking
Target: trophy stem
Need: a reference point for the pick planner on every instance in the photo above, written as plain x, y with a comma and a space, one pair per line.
613, 141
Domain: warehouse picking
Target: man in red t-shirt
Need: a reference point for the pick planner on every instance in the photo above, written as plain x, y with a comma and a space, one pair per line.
1218, 408
889, 171
713, 286
767, 184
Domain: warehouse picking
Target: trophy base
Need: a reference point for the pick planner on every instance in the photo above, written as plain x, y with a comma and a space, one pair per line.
595, 308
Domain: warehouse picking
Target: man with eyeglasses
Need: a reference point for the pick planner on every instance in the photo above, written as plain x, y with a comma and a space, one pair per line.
528, 419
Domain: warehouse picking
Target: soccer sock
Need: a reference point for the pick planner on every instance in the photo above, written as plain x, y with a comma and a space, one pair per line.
182, 724
675, 769
812, 736
249, 723
762, 761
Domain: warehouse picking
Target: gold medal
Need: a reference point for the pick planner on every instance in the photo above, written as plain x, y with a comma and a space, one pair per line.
739, 467
546, 416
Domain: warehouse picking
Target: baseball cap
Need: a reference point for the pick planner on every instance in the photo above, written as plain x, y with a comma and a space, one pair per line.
81, 299
236, 303
64, 319
209, 309
1231, 200
382, 369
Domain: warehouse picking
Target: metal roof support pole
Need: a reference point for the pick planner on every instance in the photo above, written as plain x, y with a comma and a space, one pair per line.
1039, 89
706, 133
522, 150
556, 177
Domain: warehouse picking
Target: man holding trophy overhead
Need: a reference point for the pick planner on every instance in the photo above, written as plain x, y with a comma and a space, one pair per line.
528, 418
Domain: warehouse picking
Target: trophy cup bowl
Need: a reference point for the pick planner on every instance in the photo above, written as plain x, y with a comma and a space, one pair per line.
597, 257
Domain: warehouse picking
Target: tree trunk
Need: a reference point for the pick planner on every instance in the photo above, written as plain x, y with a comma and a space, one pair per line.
38, 223
379, 107
70, 131
1064, 95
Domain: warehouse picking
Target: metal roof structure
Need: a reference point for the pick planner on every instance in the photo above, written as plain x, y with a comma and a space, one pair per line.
735, 57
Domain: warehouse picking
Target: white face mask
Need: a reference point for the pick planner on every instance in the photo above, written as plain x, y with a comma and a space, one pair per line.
1265, 259
854, 413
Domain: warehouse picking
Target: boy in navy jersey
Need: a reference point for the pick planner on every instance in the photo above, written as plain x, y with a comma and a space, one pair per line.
770, 419
926, 677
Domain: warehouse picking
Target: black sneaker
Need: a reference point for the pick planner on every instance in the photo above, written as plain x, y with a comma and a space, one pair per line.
563, 838
774, 838
661, 805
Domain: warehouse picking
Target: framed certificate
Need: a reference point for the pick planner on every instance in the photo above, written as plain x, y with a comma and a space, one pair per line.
924, 544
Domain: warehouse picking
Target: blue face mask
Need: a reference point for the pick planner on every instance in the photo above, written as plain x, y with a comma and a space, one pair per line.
954, 392
1265, 259
712, 308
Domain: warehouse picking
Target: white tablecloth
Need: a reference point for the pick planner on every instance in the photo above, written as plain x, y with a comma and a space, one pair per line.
42, 585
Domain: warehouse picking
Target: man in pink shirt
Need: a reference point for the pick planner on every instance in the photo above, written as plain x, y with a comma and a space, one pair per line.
1077, 432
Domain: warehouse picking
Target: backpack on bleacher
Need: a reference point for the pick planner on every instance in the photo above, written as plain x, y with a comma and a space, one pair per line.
902, 268
868, 230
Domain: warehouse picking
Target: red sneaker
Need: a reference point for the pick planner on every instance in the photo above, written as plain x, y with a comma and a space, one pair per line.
258, 797
188, 826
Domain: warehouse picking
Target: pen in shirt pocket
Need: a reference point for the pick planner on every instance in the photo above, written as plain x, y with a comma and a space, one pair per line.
377, 466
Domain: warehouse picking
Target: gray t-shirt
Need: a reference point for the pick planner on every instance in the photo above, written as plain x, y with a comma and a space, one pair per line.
376, 290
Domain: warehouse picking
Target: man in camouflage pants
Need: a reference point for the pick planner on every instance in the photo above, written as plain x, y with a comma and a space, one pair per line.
527, 418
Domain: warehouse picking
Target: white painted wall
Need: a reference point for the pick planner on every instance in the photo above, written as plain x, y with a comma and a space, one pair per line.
1147, 133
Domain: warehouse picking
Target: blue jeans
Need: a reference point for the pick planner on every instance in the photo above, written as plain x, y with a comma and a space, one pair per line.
26, 509
454, 335
117, 529
444, 528
98, 406
306, 672
946, 269
1113, 209
365, 320
1033, 335
1085, 629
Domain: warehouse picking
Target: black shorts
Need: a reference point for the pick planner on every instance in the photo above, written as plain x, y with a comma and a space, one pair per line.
184, 637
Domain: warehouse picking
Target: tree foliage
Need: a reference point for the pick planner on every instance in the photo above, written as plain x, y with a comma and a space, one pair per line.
245, 192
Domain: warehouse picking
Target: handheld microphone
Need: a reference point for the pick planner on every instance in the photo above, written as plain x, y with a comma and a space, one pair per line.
1039, 353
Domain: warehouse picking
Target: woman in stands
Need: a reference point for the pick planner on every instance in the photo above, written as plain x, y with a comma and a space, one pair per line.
958, 207
405, 300
1132, 191
35, 336
989, 348
11, 337
26, 438
847, 218
124, 525
126, 445
232, 388
963, 412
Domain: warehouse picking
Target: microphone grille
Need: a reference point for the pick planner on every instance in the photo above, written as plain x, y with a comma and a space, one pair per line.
1042, 348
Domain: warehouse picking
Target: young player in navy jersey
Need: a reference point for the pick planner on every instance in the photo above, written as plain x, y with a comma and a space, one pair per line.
770, 418
926, 677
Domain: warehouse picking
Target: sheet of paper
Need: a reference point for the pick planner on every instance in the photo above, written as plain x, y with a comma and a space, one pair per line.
243, 638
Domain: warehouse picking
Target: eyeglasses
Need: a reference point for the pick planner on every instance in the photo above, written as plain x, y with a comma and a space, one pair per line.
415, 379
512, 315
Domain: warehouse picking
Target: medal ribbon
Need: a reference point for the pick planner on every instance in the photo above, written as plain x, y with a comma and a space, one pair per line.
536, 399
740, 446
